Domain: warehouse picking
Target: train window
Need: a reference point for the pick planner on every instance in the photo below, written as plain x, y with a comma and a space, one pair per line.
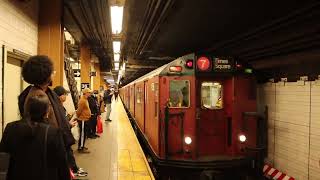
211, 95
139, 95
179, 94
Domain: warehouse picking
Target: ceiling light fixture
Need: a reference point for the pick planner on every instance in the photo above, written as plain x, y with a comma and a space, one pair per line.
116, 57
116, 46
116, 19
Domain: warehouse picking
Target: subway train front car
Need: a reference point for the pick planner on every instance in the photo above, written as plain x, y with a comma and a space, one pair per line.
196, 114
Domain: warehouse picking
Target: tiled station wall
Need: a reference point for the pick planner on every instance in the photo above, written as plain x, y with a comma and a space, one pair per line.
293, 127
18, 30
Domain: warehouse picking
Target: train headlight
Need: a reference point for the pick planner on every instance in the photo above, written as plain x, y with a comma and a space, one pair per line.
242, 138
188, 140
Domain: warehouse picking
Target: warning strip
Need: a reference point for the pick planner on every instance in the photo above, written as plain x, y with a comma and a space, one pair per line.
275, 174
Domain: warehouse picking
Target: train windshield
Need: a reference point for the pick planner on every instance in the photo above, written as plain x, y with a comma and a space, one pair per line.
179, 94
211, 95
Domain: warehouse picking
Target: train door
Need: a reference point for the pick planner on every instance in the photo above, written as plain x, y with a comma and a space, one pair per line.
145, 105
12, 88
212, 115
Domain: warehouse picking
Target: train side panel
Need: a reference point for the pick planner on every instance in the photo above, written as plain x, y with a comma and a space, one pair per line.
139, 105
132, 99
152, 113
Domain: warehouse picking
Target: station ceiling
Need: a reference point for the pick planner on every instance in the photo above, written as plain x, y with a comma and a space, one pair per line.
260, 33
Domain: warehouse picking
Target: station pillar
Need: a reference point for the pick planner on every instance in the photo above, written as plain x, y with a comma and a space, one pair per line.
85, 60
50, 36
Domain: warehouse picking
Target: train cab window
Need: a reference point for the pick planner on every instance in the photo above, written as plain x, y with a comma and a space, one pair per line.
179, 94
211, 95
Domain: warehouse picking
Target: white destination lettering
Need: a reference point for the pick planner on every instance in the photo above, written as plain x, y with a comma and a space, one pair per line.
223, 66
222, 61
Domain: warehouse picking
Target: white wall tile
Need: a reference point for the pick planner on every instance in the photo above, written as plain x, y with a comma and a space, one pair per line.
291, 109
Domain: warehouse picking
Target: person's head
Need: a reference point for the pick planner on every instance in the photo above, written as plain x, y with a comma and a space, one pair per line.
61, 92
38, 70
37, 108
86, 92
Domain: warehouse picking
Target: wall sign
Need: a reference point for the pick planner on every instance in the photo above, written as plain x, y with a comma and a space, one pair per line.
76, 72
203, 64
85, 85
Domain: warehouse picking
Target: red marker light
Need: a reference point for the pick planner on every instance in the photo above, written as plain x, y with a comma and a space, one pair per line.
189, 64
175, 69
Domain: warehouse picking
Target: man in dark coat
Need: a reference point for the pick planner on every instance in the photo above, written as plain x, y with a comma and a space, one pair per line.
95, 112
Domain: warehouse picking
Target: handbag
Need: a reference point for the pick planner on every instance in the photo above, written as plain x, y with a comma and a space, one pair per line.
75, 132
99, 125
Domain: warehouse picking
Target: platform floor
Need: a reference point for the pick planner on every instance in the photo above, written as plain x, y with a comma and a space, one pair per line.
117, 153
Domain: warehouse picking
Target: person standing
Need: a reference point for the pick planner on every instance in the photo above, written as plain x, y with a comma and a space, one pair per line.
62, 94
95, 112
36, 148
38, 71
116, 93
83, 114
107, 101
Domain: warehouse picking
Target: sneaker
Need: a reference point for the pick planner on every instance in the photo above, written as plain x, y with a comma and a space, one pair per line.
81, 174
96, 135
108, 120
81, 170
83, 151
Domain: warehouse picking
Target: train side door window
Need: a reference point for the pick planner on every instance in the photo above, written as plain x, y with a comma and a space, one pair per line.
179, 94
139, 95
211, 95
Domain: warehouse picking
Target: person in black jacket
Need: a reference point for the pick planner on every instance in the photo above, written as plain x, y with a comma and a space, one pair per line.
95, 112
107, 96
77, 171
36, 148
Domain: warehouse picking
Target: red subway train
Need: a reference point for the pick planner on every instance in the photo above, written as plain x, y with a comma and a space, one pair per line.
198, 111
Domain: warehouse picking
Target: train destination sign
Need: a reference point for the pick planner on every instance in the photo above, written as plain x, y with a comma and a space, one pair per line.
203, 63
222, 64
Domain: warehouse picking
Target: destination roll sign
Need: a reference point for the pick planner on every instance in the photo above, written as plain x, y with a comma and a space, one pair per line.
222, 65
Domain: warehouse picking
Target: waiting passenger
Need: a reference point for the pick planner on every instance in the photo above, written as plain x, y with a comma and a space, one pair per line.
62, 94
83, 114
36, 148
107, 101
38, 71
95, 112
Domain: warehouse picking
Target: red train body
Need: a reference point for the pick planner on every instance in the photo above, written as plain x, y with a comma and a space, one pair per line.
191, 111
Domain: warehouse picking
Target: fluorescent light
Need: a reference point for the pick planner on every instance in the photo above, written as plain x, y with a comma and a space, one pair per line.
116, 57
116, 65
116, 68
124, 66
116, 46
116, 19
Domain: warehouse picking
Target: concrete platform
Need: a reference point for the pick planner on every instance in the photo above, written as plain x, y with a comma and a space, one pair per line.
117, 153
